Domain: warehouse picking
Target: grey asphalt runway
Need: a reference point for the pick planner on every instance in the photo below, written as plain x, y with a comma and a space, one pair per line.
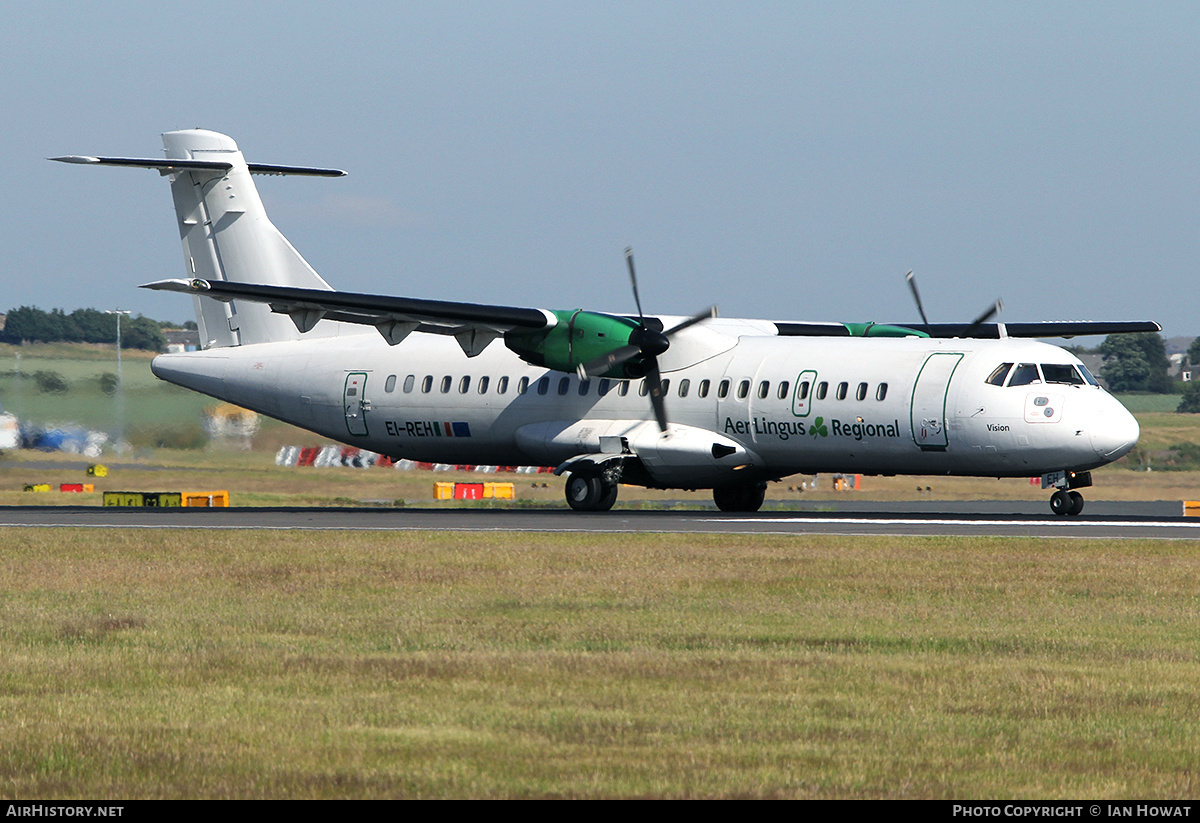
998, 518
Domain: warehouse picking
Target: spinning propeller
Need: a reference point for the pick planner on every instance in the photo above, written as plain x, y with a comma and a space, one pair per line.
644, 343
968, 330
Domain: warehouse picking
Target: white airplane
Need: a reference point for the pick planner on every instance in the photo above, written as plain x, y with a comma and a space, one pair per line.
664, 402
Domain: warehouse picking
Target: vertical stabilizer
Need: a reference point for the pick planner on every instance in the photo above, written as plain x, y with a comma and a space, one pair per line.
227, 236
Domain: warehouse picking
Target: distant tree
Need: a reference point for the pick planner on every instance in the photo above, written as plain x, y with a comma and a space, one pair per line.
1136, 362
142, 333
1193, 353
25, 323
1190, 404
95, 326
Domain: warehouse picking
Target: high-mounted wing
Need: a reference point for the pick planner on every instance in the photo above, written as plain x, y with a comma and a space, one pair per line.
988, 331
473, 325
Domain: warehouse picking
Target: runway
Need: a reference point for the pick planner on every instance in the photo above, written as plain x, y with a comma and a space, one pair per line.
1161, 520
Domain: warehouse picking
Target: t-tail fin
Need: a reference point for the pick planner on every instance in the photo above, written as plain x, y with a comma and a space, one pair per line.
226, 234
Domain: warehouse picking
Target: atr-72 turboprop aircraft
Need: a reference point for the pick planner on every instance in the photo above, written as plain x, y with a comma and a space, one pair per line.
666, 402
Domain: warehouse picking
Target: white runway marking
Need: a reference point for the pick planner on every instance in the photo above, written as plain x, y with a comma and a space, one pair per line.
912, 521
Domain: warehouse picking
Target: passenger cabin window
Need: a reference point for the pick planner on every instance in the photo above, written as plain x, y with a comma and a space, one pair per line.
446, 381
409, 382
543, 384
604, 386
684, 385
743, 389
666, 387
390, 385
841, 390
723, 389
464, 385
643, 389
764, 388
783, 390
861, 392
483, 384
584, 385
624, 388
523, 385
802, 390
881, 391
1024, 375
1061, 373
427, 384
502, 385
564, 385
702, 389
996, 378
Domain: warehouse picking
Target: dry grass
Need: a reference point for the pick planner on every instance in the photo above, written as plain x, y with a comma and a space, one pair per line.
186, 664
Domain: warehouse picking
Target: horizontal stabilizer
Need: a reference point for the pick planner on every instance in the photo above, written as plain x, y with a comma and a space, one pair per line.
165, 166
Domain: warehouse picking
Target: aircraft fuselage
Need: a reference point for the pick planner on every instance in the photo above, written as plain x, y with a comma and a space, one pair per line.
778, 406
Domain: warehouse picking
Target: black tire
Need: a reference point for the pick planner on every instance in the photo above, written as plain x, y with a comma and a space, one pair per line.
1076, 503
1060, 502
590, 493
740, 498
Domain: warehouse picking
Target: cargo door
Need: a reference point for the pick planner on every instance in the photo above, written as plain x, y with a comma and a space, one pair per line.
929, 424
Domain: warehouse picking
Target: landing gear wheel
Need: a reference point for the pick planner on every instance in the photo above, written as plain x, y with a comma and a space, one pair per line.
1066, 502
1076, 503
740, 498
590, 494
1060, 502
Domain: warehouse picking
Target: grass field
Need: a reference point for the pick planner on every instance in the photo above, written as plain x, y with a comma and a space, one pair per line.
141, 663
189, 664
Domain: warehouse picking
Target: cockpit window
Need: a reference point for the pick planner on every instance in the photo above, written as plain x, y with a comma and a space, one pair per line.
1087, 375
1025, 374
1061, 373
996, 378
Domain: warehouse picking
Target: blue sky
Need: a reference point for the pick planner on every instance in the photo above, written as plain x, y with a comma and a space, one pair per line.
783, 160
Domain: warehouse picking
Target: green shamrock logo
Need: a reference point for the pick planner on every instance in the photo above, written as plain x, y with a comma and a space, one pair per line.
818, 428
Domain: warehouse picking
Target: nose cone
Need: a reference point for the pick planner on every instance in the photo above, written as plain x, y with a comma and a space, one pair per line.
1115, 432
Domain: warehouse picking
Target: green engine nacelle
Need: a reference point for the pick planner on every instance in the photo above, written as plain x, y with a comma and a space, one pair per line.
881, 330
578, 337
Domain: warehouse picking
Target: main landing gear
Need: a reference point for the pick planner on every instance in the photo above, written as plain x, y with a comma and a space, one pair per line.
590, 493
744, 498
1066, 500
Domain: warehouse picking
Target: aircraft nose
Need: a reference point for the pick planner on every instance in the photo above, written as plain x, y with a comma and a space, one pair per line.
1116, 432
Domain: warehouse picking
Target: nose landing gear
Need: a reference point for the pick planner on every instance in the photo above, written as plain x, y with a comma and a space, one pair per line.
1066, 500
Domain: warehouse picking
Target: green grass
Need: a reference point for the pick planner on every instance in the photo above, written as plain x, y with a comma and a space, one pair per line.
139, 663
148, 403
1150, 402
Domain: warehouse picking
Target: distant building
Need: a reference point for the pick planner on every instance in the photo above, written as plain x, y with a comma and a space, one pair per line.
181, 340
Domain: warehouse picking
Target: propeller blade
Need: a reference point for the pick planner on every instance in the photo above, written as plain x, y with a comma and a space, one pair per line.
912, 285
707, 314
633, 280
654, 382
991, 312
607, 361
